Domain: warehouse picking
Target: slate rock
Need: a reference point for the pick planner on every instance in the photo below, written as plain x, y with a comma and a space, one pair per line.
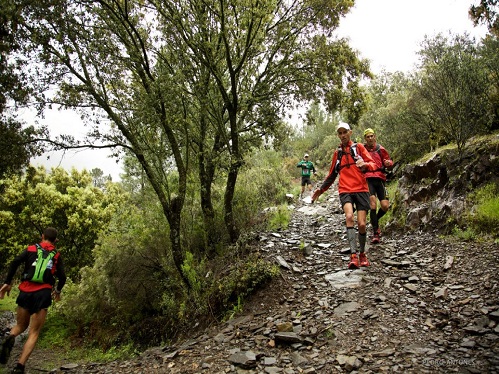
246, 360
288, 337
345, 308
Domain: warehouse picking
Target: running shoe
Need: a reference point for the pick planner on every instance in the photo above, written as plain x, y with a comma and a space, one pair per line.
19, 369
7, 345
375, 239
354, 261
363, 259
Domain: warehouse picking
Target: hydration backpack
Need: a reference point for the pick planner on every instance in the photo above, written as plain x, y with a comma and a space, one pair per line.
378, 150
41, 270
337, 167
353, 153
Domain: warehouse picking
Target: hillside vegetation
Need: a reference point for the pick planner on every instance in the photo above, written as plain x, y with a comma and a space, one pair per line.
196, 100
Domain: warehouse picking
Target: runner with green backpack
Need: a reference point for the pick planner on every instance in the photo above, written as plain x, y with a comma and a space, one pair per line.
42, 264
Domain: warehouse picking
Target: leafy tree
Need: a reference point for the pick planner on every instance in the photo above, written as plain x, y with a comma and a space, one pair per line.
451, 88
17, 146
487, 12
393, 112
68, 202
489, 57
16, 143
318, 137
98, 178
177, 79
258, 56
10, 81
450, 97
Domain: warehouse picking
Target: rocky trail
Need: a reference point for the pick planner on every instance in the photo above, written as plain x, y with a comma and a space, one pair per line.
425, 305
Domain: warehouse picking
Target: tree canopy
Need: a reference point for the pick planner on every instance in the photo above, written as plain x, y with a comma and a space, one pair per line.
450, 97
186, 85
67, 201
17, 144
487, 12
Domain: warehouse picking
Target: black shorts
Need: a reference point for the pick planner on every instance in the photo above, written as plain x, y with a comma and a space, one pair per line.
305, 180
360, 200
33, 302
377, 188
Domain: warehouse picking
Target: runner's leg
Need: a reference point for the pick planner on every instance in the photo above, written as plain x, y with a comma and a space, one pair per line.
22, 321
361, 223
37, 322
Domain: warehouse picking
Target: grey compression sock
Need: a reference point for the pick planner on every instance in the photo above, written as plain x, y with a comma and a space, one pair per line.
352, 239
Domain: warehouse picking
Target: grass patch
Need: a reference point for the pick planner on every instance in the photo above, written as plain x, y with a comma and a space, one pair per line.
464, 235
247, 277
484, 218
55, 333
279, 218
440, 150
8, 303
57, 340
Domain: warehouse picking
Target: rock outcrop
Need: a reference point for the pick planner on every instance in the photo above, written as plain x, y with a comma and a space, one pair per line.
434, 193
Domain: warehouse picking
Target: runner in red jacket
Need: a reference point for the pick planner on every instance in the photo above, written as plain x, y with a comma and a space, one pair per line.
352, 188
376, 180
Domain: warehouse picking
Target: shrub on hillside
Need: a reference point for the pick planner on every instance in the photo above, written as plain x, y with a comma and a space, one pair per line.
484, 217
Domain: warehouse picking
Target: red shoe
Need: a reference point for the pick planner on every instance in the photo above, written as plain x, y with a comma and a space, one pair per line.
363, 260
375, 239
354, 261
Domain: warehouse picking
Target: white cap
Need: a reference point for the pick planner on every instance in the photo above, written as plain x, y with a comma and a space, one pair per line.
306, 155
343, 125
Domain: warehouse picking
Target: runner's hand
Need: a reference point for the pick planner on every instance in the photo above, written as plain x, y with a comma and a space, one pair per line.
56, 296
316, 195
5, 289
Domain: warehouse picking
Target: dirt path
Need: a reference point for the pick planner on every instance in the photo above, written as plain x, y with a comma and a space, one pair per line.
425, 305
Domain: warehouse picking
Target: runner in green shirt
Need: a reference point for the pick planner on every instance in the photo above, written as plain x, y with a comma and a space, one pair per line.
307, 168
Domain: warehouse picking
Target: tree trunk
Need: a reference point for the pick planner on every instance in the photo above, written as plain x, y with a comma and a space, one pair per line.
206, 172
230, 222
173, 215
230, 187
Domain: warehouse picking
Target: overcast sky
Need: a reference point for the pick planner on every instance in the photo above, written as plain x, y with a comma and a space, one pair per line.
387, 32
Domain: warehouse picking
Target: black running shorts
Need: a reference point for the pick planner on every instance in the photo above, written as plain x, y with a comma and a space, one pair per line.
377, 188
360, 200
305, 180
35, 301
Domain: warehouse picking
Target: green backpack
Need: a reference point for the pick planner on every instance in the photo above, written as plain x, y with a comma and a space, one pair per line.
43, 263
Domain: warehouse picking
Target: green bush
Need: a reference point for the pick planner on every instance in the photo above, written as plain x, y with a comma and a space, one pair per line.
485, 216
9, 302
263, 182
125, 284
464, 235
241, 281
279, 218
